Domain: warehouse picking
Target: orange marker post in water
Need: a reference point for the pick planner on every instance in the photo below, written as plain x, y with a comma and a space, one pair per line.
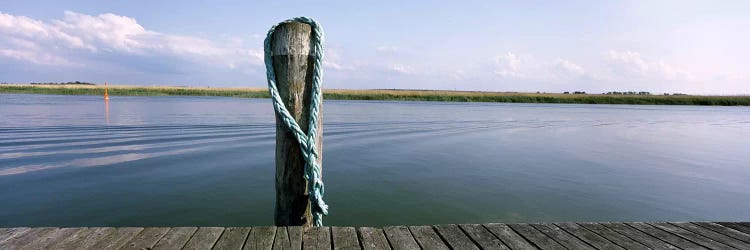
106, 96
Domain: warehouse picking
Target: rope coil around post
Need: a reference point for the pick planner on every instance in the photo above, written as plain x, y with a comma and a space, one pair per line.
306, 141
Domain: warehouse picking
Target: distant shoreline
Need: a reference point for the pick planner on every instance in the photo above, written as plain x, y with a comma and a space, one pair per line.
392, 95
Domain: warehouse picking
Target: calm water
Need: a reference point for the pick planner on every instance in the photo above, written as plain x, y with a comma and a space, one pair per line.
209, 161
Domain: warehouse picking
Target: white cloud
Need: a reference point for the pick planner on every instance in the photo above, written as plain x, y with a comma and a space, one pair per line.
401, 69
333, 60
34, 57
567, 69
21, 27
337, 66
631, 64
508, 66
111, 33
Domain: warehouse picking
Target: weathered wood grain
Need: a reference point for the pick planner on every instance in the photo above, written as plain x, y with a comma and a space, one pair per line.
617, 238
233, 238
725, 231
175, 238
293, 66
639, 236
691, 236
373, 238
344, 238
712, 235
400, 238
204, 238
52, 238
427, 238
295, 236
281, 240
455, 238
665, 236
508, 236
147, 238
6, 233
589, 237
317, 238
12, 233
27, 237
539, 239
74, 240
567, 240
261, 238
736, 226
116, 239
482, 237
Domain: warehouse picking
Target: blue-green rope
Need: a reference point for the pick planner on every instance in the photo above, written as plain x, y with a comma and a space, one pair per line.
315, 188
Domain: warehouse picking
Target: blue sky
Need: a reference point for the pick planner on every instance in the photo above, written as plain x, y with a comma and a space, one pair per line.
698, 47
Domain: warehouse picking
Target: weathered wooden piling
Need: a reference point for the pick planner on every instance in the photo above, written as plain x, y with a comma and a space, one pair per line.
293, 64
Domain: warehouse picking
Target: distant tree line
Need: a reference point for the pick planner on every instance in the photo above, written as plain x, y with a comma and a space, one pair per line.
62, 83
628, 93
619, 93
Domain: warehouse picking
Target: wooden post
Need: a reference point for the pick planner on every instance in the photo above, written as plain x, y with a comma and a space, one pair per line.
293, 65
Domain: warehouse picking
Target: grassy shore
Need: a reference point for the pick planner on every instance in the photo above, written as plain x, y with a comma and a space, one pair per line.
400, 95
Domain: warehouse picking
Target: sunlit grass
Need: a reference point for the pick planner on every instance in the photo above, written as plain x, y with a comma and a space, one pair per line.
401, 95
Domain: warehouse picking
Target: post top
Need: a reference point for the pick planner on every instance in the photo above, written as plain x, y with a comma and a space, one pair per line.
292, 38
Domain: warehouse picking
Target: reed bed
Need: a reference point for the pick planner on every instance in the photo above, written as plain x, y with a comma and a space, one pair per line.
385, 94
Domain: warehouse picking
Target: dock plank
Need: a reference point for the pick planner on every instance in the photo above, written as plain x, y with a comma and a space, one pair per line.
561, 236
316, 238
511, 239
373, 238
455, 237
587, 236
6, 233
400, 238
295, 236
233, 238
536, 237
691, 236
52, 238
74, 240
27, 237
665, 236
725, 231
261, 238
482, 237
712, 235
614, 237
116, 238
736, 226
639, 236
427, 238
146, 238
281, 240
5, 230
12, 233
175, 238
204, 238
344, 238
568, 235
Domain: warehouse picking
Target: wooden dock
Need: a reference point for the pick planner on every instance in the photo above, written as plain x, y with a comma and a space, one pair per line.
636, 235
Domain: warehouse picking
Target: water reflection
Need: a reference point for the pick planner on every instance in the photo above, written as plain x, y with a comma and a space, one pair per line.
106, 110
